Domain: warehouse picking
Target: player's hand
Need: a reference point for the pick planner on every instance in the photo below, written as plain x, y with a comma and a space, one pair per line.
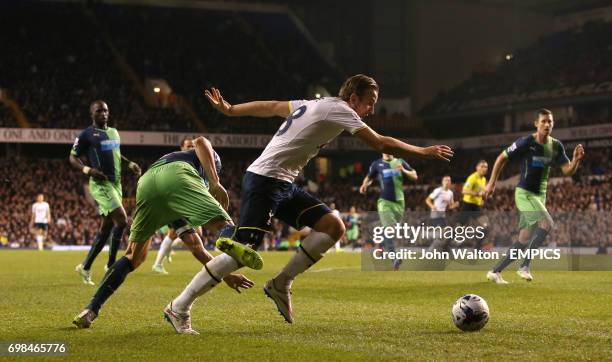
578, 153
97, 174
489, 190
438, 152
133, 166
237, 281
363, 189
217, 101
220, 194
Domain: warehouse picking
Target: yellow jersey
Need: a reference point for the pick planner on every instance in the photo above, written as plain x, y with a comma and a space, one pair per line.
474, 183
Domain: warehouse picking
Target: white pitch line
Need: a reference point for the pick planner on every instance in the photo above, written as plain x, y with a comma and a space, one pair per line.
323, 270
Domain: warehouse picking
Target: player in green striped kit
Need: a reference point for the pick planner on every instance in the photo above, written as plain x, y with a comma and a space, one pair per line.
537, 153
182, 189
390, 172
99, 146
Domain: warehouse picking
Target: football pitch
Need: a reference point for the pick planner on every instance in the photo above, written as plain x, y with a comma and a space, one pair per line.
341, 313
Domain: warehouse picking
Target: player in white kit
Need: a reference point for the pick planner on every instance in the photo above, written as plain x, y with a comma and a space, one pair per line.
41, 217
440, 200
268, 189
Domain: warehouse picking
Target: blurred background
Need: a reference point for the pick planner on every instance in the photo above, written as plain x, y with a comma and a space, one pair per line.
468, 73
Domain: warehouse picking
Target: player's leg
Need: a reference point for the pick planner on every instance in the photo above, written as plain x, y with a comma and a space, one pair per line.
494, 274
543, 228
164, 251
108, 198
438, 243
135, 255
178, 312
119, 218
45, 233
38, 235
84, 269
301, 210
532, 211
391, 215
176, 242
150, 214
483, 221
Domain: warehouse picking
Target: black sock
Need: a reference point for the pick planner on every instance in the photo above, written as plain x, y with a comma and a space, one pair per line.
481, 241
536, 241
117, 234
388, 245
112, 280
96, 248
507, 260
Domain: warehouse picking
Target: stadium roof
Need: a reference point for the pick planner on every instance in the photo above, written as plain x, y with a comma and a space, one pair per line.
554, 7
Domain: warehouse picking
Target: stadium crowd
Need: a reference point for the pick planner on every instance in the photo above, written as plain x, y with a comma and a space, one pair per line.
581, 207
107, 52
571, 57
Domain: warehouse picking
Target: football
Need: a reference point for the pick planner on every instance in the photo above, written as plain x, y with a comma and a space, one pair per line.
470, 313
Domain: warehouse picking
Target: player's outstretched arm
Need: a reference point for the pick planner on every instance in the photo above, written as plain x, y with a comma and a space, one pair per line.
500, 162
571, 167
398, 148
264, 109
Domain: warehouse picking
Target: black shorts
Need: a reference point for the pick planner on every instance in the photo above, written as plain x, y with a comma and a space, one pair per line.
263, 197
469, 212
41, 226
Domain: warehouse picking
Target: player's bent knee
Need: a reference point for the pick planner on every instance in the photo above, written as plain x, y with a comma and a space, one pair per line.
332, 225
217, 225
137, 252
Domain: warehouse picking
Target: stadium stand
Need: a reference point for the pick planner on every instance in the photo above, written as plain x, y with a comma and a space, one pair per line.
75, 218
566, 58
107, 52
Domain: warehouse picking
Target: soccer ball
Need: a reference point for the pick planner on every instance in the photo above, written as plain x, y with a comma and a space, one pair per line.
470, 313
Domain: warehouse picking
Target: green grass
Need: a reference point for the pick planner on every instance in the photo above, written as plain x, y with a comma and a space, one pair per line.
340, 311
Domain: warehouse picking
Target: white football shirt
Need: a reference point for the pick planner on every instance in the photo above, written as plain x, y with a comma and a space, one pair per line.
441, 199
310, 126
39, 209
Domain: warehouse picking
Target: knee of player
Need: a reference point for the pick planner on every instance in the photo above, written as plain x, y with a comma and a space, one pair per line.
547, 224
121, 223
136, 262
332, 225
138, 259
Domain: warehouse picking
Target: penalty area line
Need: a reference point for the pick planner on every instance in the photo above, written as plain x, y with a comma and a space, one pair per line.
323, 270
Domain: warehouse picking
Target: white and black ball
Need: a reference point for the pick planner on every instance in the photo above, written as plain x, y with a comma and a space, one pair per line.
470, 313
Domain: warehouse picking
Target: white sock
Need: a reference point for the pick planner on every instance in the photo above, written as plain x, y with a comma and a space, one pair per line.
315, 244
176, 242
164, 249
39, 241
219, 267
